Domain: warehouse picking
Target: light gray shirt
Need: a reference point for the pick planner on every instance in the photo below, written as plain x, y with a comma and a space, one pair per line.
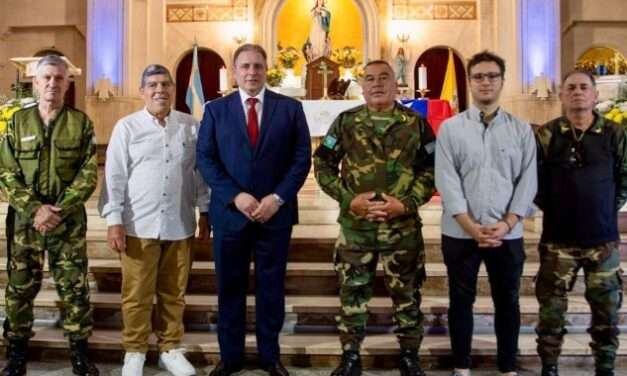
485, 171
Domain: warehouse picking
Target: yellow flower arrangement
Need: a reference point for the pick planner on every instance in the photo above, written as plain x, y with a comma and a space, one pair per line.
274, 76
288, 57
347, 56
358, 72
10, 107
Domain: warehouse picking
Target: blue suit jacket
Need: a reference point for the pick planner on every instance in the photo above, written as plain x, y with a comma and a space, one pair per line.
278, 164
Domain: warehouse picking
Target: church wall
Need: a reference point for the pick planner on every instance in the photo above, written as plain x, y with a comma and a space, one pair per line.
585, 24
29, 26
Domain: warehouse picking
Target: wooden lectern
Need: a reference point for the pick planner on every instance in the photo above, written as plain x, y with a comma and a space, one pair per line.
320, 73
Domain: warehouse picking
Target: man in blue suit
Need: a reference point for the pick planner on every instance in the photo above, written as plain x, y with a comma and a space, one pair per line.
254, 151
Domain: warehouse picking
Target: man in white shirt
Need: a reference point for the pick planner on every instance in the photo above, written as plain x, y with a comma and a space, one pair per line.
149, 198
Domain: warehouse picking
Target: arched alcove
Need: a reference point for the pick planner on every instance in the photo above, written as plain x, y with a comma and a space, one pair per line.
209, 64
611, 59
436, 59
369, 17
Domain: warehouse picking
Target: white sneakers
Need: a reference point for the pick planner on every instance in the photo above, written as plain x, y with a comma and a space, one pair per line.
133, 364
174, 361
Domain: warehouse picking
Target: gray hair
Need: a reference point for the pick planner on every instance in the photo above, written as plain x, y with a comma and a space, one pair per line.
55, 61
153, 70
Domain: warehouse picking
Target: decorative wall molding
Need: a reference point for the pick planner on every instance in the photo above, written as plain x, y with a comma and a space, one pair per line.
237, 10
434, 10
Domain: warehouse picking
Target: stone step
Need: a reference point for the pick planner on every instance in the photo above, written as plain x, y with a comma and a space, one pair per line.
313, 278
311, 312
324, 350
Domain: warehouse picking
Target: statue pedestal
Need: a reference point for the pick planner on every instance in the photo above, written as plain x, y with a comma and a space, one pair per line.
609, 86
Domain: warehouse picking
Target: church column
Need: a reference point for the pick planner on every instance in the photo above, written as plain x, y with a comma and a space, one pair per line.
105, 42
155, 38
540, 40
527, 38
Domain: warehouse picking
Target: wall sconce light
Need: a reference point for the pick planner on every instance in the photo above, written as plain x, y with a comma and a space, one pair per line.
240, 31
104, 89
542, 87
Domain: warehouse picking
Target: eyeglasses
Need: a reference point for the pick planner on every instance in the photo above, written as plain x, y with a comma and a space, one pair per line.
577, 155
491, 76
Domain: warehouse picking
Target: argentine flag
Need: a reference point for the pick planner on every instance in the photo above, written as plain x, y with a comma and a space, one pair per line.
195, 99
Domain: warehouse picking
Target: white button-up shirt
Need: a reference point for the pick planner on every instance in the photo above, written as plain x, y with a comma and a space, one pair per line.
151, 184
258, 106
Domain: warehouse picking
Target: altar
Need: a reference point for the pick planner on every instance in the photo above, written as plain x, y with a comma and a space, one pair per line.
321, 113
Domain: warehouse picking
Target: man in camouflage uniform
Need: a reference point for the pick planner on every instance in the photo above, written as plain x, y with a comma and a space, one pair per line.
47, 172
582, 166
386, 156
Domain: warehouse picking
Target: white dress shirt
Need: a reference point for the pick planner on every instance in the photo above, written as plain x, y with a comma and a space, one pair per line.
151, 183
258, 106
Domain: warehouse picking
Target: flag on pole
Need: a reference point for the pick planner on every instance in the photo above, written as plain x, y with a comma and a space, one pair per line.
195, 99
449, 87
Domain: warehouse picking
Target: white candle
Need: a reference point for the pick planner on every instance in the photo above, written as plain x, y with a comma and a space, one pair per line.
422, 77
224, 81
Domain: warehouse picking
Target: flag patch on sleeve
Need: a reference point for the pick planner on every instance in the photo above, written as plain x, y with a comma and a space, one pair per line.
329, 142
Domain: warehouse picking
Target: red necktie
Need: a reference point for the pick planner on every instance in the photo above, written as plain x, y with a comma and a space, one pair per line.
253, 123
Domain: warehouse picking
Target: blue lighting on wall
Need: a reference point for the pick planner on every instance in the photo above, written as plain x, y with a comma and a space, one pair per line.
539, 39
106, 41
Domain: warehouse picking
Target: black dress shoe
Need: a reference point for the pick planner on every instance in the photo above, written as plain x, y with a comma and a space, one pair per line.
222, 369
409, 364
604, 372
277, 369
550, 371
350, 365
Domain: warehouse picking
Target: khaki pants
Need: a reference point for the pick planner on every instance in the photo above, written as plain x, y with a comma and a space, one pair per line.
154, 267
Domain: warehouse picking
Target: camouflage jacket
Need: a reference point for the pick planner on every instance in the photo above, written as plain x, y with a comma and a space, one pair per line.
48, 165
398, 162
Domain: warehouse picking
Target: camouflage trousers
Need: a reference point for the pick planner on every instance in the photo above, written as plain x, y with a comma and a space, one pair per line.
67, 260
356, 258
603, 278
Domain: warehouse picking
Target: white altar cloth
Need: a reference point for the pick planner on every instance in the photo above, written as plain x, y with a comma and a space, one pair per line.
321, 113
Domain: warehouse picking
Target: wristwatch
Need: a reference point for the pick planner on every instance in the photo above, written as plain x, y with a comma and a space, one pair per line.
278, 199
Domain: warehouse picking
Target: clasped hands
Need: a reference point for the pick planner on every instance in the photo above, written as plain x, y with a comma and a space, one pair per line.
366, 205
254, 210
489, 236
47, 218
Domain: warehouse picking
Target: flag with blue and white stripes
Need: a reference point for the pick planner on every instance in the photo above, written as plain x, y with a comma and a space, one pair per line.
195, 99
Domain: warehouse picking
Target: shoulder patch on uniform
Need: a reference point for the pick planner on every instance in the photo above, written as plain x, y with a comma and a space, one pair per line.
329, 141
430, 147
94, 141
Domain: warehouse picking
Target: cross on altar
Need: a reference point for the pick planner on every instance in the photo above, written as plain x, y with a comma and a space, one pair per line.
324, 71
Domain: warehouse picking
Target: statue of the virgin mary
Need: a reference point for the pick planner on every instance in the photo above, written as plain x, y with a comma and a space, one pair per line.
319, 42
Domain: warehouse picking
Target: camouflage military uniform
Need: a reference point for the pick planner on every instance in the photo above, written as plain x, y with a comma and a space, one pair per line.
580, 195
395, 158
53, 165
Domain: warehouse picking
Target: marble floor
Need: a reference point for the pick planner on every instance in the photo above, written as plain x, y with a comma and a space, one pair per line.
62, 369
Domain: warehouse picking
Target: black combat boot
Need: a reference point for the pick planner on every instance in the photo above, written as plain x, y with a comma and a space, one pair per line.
604, 372
81, 365
17, 354
550, 371
409, 364
350, 365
